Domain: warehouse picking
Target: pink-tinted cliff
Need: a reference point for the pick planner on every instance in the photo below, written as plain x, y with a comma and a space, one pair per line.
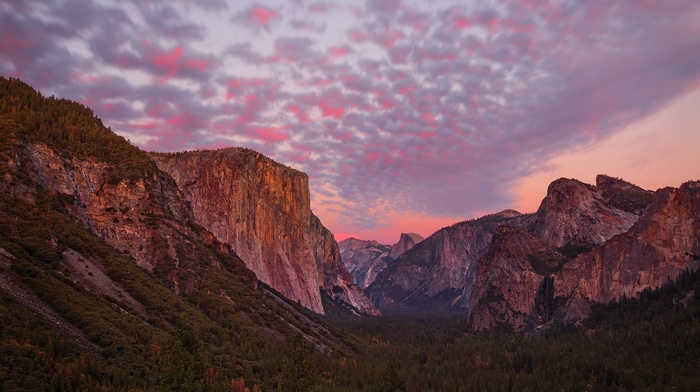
663, 242
262, 209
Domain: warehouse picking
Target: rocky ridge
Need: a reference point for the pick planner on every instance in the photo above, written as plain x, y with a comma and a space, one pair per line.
437, 273
366, 259
407, 241
586, 244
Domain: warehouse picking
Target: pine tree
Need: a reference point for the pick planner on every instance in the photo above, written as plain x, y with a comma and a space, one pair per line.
390, 382
181, 367
299, 370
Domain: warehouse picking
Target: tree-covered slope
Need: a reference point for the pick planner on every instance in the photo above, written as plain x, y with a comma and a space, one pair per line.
103, 276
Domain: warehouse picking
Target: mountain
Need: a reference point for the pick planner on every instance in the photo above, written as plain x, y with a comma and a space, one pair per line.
366, 259
577, 213
262, 209
575, 220
407, 241
438, 272
586, 244
103, 266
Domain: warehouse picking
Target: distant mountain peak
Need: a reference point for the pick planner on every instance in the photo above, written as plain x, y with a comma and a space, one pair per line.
406, 242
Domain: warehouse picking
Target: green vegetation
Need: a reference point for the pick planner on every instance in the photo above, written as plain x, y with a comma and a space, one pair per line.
650, 343
67, 126
237, 326
550, 261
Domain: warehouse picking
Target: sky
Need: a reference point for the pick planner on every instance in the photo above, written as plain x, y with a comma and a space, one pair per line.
407, 115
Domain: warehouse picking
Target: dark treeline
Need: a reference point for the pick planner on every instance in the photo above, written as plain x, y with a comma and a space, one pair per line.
651, 343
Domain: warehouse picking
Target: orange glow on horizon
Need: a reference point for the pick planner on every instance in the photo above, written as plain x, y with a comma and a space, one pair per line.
657, 151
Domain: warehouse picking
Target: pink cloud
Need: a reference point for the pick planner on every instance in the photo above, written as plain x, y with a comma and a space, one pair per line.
300, 114
271, 134
371, 156
321, 7
337, 52
168, 61
257, 17
333, 112
461, 23
437, 106
263, 14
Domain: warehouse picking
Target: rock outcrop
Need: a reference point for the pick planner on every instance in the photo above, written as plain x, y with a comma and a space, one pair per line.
406, 242
662, 243
578, 213
262, 209
438, 273
364, 260
142, 215
586, 244
512, 276
580, 251
337, 283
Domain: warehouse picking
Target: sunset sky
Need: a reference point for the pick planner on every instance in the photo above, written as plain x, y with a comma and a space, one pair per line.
407, 115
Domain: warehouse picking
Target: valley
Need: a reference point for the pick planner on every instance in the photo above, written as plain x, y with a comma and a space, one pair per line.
207, 270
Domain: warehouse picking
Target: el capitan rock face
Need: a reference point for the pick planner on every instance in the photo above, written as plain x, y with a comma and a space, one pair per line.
262, 209
81, 209
337, 282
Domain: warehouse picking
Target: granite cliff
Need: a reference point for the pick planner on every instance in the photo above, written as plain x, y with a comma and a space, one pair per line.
407, 241
438, 273
100, 248
662, 243
140, 214
366, 259
262, 210
575, 212
586, 244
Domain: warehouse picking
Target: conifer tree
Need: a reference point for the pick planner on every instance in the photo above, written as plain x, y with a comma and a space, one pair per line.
181, 367
299, 370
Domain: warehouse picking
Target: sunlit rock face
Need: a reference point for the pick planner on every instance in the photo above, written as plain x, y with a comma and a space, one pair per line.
115, 209
584, 253
337, 282
662, 243
515, 283
438, 273
575, 212
509, 278
262, 209
407, 241
586, 244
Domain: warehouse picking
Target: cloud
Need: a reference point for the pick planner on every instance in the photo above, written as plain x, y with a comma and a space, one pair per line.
258, 17
392, 107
